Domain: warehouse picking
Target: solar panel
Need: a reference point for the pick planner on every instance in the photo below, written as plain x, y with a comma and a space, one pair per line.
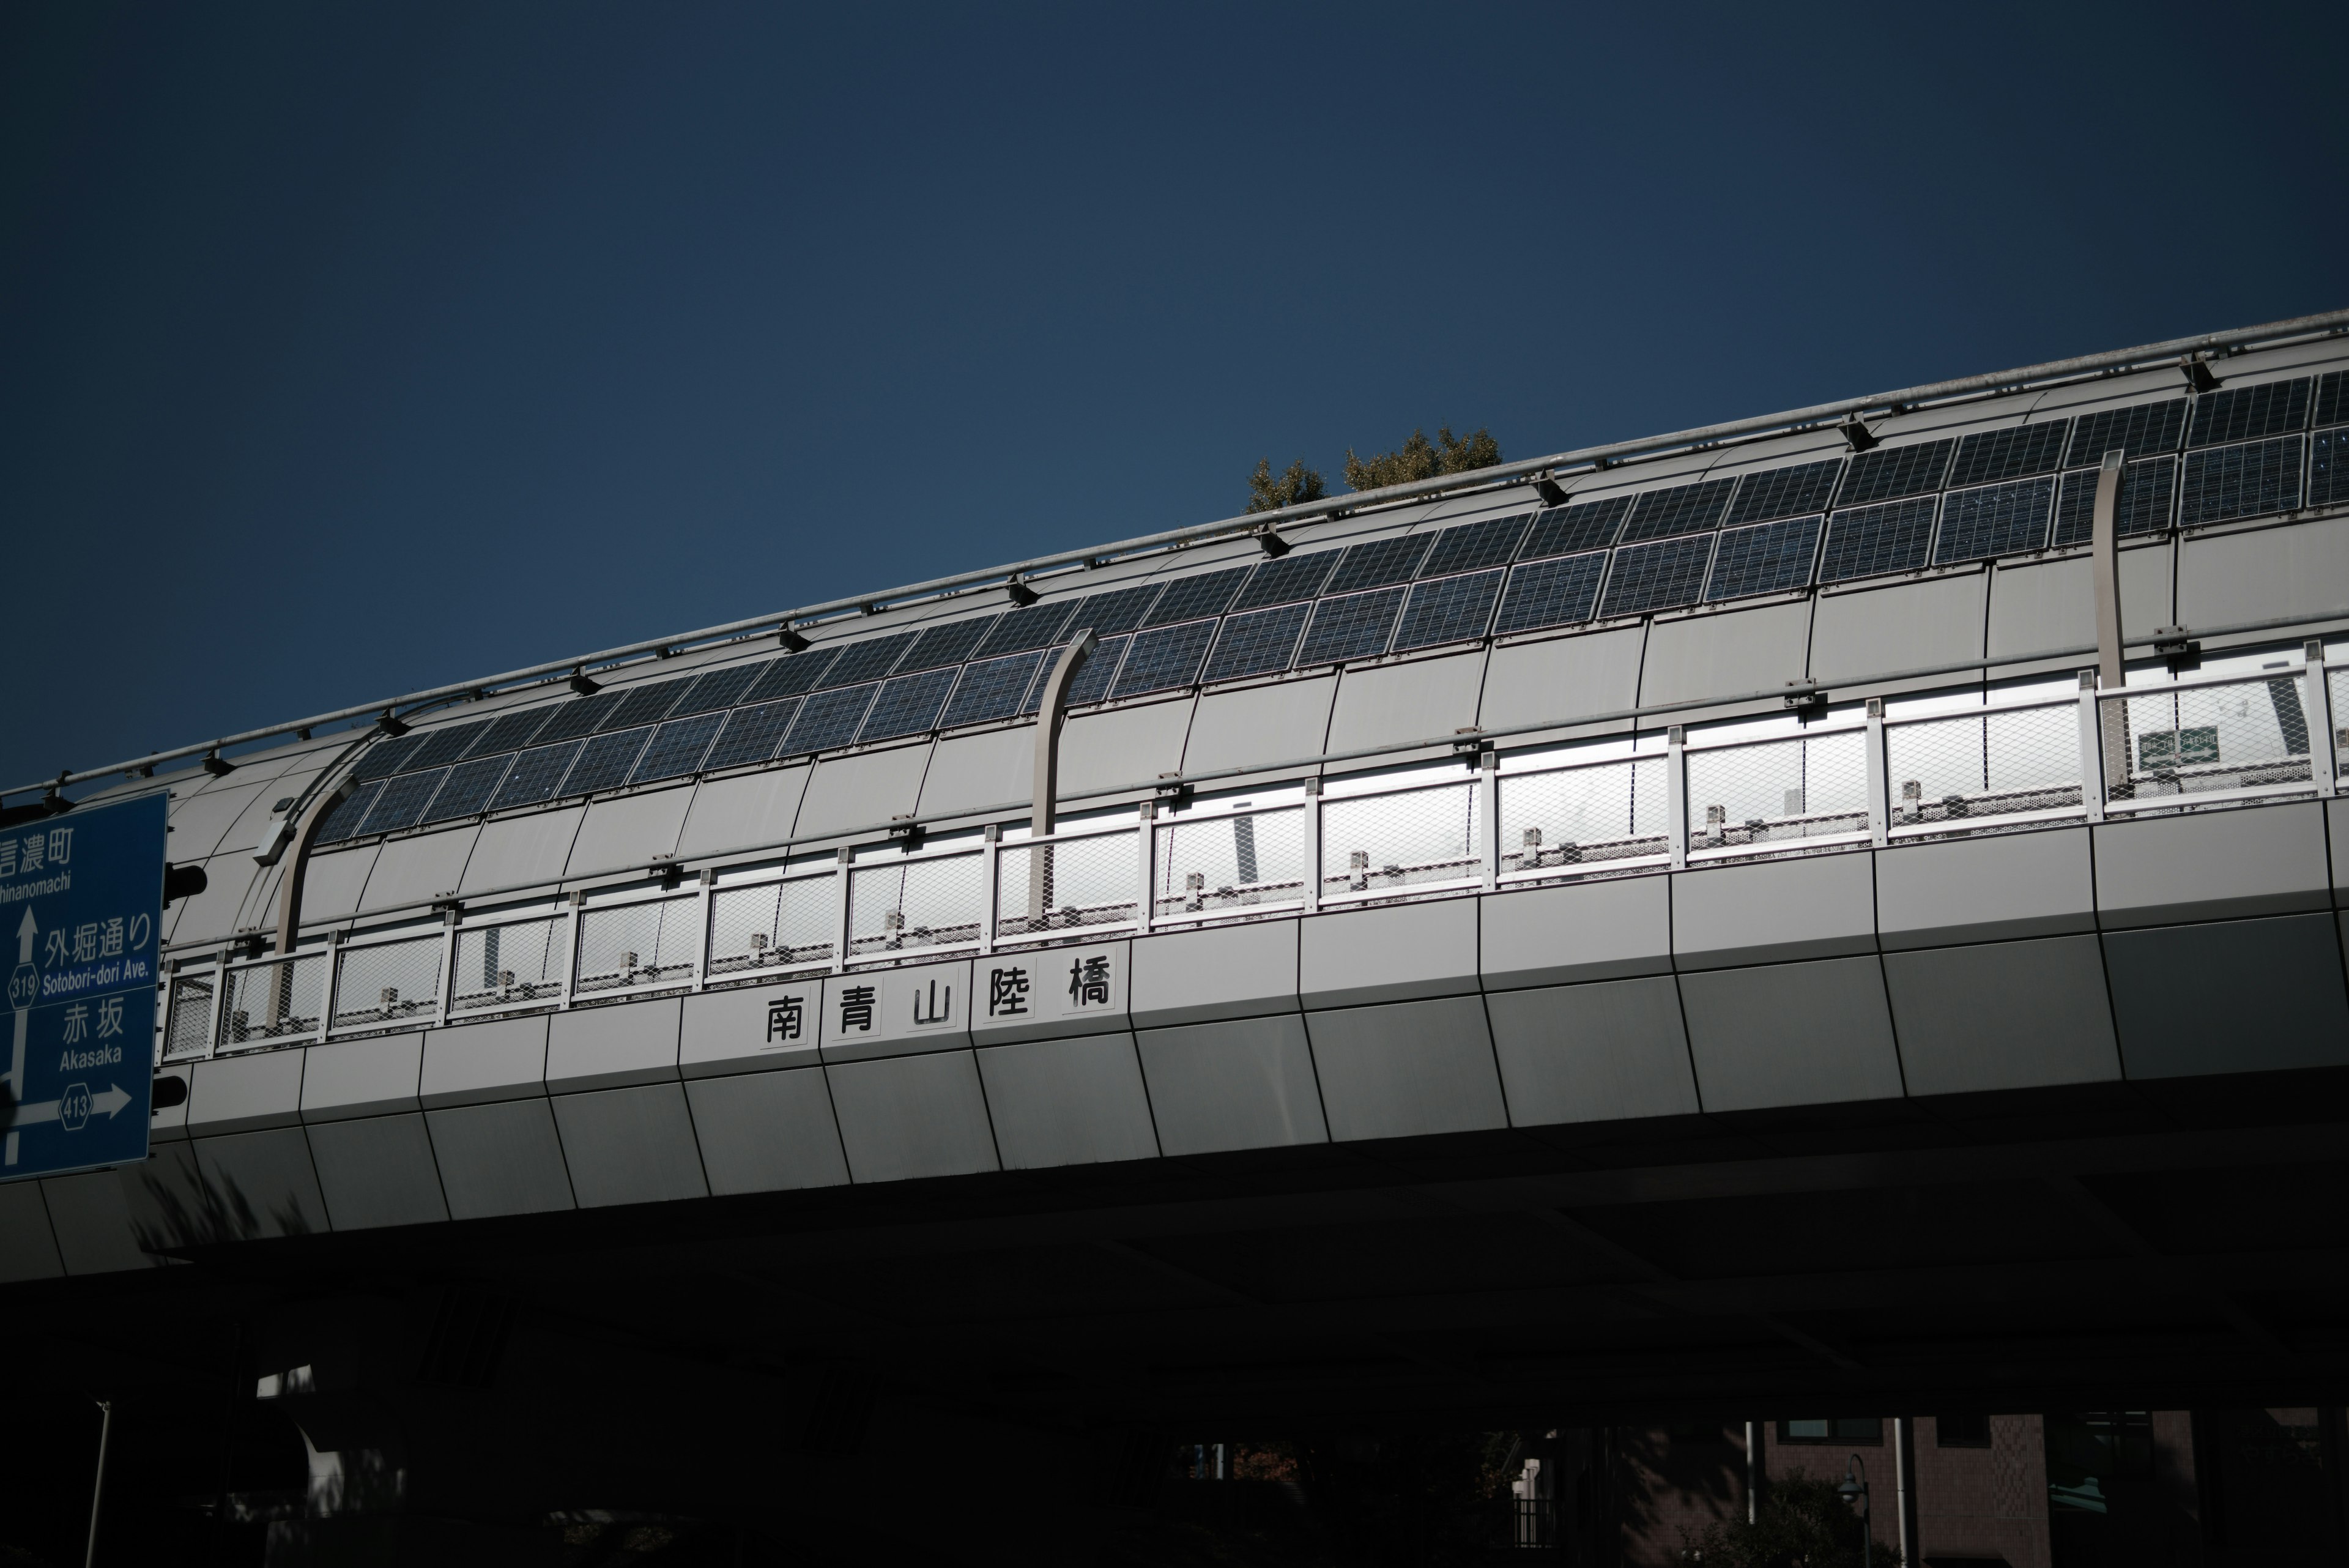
2248, 480
343, 821
677, 748
908, 705
1785, 492
1111, 613
1293, 577
1166, 657
991, 690
1765, 558
511, 733
1570, 530
2248, 413
1189, 598
1090, 683
1027, 629
646, 704
1684, 509
750, 734
1473, 546
403, 800
717, 688
792, 677
1448, 609
2141, 429
1867, 540
579, 718
860, 661
1355, 626
1659, 576
2328, 468
1377, 562
828, 718
469, 788
606, 761
2016, 452
948, 644
1258, 643
2145, 492
2333, 398
1890, 472
383, 758
1994, 520
444, 746
537, 775
1551, 592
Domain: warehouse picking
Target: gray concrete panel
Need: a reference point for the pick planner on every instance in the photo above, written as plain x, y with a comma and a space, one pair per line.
1562, 677
864, 789
751, 1027
477, 1063
2302, 569
766, 1132
896, 1011
991, 768
607, 1047
1414, 700
211, 916
1222, 972
1791, 1035
1600, 1052
1260, 725
2033, 609
245, 833
1245, 1084
1940, 620
2212, 865
1984, 889
499, 1160
170, 1203
263, 1182
199, 819
1406, 1069
2005, 1015
1124, 747
1721, 655
1068, 1102
28, 1249
525, 851
910, 1116
237, 1093
376, 1171
744, 811
1583, 930
1050, 993
627, 831
2238, 996
91, 1218
409, 871
1817, 906
1393, 953
372, 1077
2337, 825
630, 1145
331, 885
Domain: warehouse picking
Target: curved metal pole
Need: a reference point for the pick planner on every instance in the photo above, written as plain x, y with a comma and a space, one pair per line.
1050, 712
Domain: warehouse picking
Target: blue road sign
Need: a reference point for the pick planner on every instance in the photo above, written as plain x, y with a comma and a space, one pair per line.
81, 901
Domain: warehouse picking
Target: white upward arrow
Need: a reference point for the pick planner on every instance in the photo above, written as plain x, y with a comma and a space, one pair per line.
25, 929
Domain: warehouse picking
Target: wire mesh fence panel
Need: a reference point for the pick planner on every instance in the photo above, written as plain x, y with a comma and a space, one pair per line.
1376, 842
1975, 765
1059, 885
2191, 739
916, 904
1777, 791
274, 1001
1574, 817
385, 983
775, 925
635, 944
509, 965
1230, 862
186, 1029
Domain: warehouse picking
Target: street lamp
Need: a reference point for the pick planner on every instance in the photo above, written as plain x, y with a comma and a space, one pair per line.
1854, 1489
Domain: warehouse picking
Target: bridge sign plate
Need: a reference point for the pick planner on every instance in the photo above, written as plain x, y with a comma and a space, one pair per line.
81, 911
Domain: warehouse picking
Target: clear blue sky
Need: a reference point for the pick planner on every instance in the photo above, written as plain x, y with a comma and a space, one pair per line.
349, 348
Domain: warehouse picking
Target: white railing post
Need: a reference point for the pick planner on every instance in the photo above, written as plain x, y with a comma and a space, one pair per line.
1676, 810
1879, 779
2092, 750
445, 1004
1488, 804
991, 857
1147, 866
2314, 701
840, 914
709, 912
571, 943
333, 986
219, 1007
1312, 844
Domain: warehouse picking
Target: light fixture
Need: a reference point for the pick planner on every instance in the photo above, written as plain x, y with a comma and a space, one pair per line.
1854, 1490
1551, 493
219, 767
390, 726
1020, 593
1272, 544
792, 640
581, 684
1861, 438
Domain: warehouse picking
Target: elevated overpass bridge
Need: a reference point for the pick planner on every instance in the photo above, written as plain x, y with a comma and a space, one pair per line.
1682, 928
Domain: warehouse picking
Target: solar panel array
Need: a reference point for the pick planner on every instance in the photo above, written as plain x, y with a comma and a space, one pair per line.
2239, 451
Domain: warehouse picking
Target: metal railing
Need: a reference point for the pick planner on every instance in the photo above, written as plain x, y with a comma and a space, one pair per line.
1855, 780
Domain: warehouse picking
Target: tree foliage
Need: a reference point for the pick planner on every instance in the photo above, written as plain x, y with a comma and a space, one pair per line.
1268, 491
1420, 457
1800, 1524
